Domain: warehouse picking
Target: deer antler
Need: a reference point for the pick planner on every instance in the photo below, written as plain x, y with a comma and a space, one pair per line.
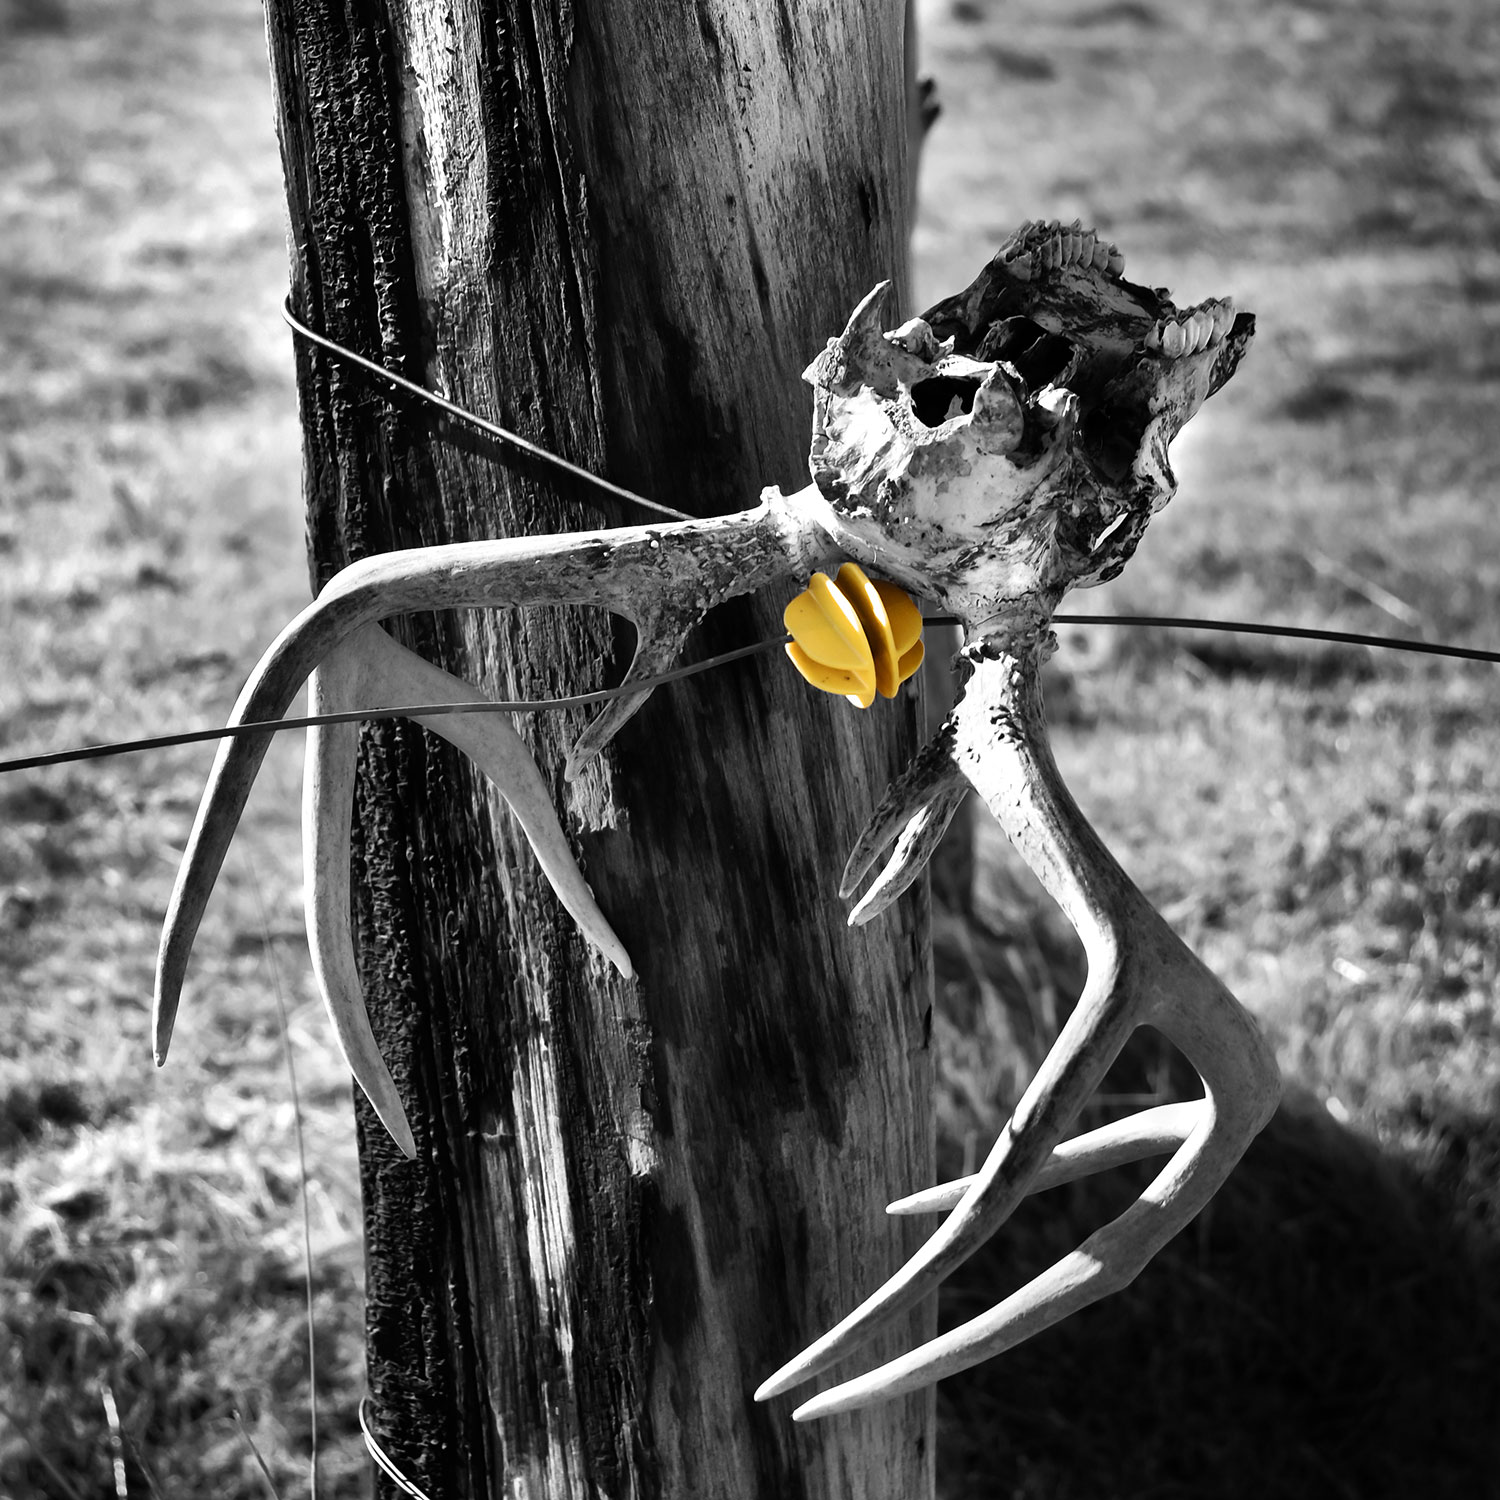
1009, 446
1139, 974
1023, 454
370, 670
662, 578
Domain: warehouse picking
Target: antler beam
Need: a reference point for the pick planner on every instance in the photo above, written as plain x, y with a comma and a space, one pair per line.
661, 578
1007, 447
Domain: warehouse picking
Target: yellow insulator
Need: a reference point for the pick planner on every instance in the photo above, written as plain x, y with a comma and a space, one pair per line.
854, 637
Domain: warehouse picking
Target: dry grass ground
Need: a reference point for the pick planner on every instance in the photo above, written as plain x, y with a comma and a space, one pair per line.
149, 541
1323, 826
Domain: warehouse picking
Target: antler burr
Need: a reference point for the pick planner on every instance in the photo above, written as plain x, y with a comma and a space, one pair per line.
1010, 445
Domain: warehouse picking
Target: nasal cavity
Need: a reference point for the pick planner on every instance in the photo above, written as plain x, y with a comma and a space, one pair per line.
933, 399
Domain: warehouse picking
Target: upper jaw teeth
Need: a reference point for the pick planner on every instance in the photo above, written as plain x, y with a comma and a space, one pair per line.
1204, 328
1049, 246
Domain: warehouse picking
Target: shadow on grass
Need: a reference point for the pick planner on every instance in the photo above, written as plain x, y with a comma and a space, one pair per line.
1330, 1326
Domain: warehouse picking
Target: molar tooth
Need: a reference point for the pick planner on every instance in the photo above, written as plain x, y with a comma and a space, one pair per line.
1069, 248
1021, 268
1055, 251
1101, 257
1086, 247
1116, 263
1173, 341
1153, 337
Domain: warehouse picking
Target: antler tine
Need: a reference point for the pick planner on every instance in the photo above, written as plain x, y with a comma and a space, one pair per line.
1153, 1132
1139, 972
1243, 1084
271, 688
327, 816
393, 676
1071, 1072
659, 641
914, 813
370, 670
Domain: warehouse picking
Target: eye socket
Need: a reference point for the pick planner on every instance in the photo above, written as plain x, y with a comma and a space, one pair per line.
1039, 357
1111, 440
932, 399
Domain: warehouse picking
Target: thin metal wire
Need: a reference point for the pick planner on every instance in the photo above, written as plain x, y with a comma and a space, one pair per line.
381, 1457
578, 700
676, 674
359, 715
490, 429
289, 1061
1290, 632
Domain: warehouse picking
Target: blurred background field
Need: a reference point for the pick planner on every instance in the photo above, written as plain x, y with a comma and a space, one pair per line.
1322, 825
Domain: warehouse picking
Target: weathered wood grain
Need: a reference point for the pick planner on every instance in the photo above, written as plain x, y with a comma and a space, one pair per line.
623, 231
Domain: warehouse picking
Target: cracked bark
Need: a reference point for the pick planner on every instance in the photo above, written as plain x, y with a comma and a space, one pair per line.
622, 232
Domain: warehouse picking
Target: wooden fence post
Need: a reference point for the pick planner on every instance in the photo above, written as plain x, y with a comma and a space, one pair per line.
622, 230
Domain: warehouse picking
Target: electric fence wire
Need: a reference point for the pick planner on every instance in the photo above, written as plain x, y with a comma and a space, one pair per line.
503, 435
677, 674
